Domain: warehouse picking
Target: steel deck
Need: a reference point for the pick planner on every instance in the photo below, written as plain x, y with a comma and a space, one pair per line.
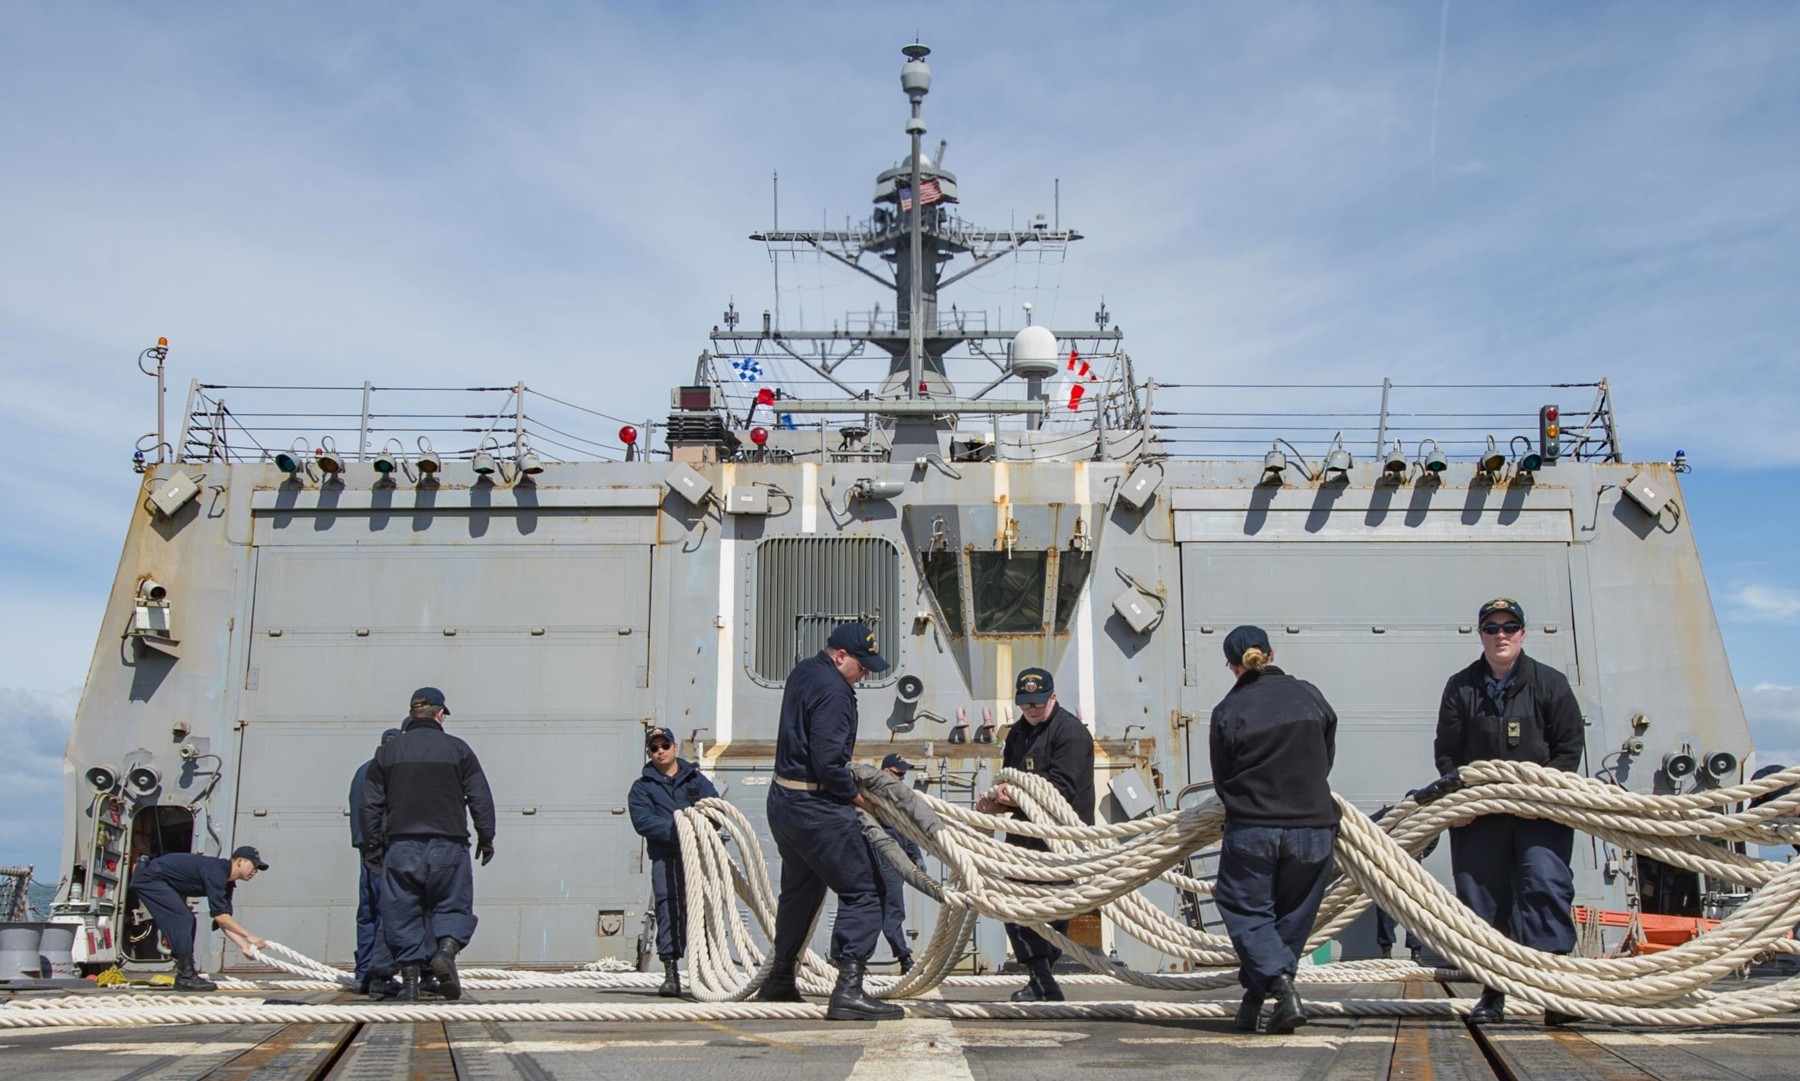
1378, 1049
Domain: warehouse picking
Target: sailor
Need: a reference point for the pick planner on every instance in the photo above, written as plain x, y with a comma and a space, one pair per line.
165, 883
414, 800
374, 962
1512, 872
812, 815
1273, 739
1052, 743
669, 783
893, 884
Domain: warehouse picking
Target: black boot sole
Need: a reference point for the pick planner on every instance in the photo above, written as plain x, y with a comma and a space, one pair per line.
1281, 1026
872, 1012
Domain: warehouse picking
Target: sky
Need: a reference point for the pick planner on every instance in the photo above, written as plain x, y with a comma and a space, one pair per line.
559, 193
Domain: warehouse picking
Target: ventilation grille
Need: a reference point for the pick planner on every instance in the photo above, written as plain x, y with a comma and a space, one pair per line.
805, 586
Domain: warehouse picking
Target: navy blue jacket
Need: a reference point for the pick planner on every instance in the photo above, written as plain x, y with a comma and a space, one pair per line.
1273, 741
418, 786
1470, 729
356, 804
1061, 750
818, 729
194, 875
655, 799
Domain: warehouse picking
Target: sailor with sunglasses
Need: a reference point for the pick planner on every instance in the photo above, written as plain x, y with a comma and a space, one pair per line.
1512, 872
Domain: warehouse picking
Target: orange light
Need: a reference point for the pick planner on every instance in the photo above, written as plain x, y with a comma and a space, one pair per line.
162, 343
1552, 431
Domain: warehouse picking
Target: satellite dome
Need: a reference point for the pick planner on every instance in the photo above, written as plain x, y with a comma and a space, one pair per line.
1034, 353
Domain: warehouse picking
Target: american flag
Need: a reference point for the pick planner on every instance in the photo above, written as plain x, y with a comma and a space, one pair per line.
932, 193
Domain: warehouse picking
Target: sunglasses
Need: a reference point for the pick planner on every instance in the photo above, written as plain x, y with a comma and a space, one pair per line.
1510, 627
661, 746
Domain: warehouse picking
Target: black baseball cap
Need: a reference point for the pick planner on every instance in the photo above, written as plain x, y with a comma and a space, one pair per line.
894, 761
859, 641
1034, 685
245, 852
430, 696
1501, 604
1245, 638
389, 736
655, 734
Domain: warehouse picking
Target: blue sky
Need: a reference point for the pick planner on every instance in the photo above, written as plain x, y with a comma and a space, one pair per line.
1328, 192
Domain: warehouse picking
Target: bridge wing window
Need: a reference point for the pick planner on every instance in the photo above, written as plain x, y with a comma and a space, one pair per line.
1072, 569
1009, 591
943, 574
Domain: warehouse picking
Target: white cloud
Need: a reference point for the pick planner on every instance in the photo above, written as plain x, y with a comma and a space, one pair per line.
1765, 603
34, 729
1773, 711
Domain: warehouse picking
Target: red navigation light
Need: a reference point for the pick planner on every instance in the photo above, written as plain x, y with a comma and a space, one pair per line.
759, 435
628, 434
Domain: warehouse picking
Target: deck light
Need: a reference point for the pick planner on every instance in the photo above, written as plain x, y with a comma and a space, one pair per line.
1337, 459
1493, 461
527, 462
388, 461
293, 459
330, 461
1434, 462
1274, 463
1719, 764
428, 462
143, 780
483, 464
1395, 466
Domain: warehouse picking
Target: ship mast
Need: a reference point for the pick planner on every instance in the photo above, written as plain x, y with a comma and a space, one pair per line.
915, 79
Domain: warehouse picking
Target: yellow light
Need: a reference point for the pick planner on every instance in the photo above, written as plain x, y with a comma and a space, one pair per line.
1552, 431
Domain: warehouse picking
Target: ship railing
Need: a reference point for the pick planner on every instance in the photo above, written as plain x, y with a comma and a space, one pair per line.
360, 422
1244, 420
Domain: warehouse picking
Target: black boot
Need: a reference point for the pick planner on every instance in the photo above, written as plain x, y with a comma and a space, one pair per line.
1247, 1012
188, 978
362, 983
779, 985
409, 982
1048, 989
671, 985
905, 964
1489, 1008
1031, 992
850, 1003
428, 983
383, 987
1288, 1014
443, 966
1558, 1018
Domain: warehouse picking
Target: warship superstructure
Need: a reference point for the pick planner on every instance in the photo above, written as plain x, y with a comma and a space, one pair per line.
987, 497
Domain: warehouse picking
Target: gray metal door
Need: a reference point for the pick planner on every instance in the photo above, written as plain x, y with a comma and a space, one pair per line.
543, 655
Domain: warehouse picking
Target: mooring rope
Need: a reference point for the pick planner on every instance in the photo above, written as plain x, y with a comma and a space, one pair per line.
1104, 868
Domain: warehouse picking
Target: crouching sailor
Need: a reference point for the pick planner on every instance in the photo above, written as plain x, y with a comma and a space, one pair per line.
669, 784
165, 884
1273, 741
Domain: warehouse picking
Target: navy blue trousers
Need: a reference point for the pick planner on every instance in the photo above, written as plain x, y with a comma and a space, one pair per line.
427, 893
1271, 880
893, 906
1029, 946
669, 882
1514, 873
172, 915
373, 958
822, 848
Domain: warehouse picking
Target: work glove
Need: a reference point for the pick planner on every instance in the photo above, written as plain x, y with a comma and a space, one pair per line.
1438, 789
372, 858
485, 849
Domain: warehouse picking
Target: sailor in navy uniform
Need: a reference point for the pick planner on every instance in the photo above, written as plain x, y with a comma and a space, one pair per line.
1512, 872
812, 815
1051, 742
893, 883
669, 783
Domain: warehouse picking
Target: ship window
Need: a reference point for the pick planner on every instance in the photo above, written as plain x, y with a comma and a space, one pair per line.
1072, 570
805, 586
943, 574
1009, 591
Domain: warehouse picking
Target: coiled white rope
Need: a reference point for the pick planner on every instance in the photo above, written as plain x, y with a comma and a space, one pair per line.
1102, 867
